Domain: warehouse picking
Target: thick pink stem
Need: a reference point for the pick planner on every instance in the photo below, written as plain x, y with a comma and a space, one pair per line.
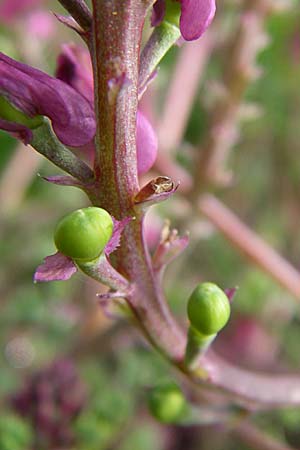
250, 244
117, 29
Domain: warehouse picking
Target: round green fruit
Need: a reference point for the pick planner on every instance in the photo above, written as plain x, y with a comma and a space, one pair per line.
83, 234
167, 403
208, 309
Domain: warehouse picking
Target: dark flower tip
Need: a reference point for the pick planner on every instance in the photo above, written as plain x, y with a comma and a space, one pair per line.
35, 93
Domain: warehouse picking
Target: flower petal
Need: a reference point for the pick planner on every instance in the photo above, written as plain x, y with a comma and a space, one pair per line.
20, 131
36, 93
196, 16
74, 67
55, 267
146, 143
158, 12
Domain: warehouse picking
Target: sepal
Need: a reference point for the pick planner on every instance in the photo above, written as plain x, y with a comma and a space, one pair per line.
171, 245
57, 267
71, 23
156, 191
230, 292
115, 240
114, 305
64, 180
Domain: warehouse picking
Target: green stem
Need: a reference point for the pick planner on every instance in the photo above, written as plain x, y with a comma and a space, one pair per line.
161, 40
197, 344
46, 143
101, 270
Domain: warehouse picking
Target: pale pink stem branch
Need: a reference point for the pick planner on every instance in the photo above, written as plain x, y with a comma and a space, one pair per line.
17, 177
254, 390
250, 244
256, 438
223, 130
181, 95
182, 91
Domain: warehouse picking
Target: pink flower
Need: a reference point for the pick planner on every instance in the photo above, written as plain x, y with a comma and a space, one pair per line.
74, 68
195, 18
34, 93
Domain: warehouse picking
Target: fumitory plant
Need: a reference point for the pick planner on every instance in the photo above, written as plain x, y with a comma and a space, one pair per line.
92, 119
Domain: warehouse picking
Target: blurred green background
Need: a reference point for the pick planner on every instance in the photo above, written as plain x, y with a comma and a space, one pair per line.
42, 323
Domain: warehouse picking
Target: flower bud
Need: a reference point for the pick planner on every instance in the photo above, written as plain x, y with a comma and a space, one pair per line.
167, 403
208, 309
83, 234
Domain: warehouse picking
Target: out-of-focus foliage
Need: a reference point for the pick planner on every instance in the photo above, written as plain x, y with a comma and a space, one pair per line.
41, 323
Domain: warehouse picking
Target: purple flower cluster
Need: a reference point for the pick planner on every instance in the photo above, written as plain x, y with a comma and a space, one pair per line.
51, 399
68, 100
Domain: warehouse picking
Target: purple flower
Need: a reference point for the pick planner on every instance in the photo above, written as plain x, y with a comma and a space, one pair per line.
74, 68
196, 16
35, 93
51, 400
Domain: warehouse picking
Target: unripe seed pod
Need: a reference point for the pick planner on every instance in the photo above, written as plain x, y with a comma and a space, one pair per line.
167, 403
208, 309
83, 234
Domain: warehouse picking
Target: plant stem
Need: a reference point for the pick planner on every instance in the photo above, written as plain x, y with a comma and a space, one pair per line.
188, 72
223, 128
250, 244
161, 40
197, 344
46, 143
115, 53
256, 438
117, 29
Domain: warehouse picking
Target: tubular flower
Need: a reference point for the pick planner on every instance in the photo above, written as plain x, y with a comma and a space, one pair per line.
74, 68
195, 17
31, 93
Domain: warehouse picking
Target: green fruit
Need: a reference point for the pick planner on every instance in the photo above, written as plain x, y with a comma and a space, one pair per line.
208, 309
167, 403
83, 234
